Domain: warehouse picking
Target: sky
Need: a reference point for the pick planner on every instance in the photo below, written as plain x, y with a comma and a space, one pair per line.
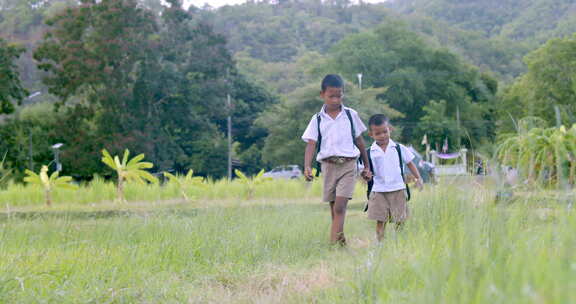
218, 3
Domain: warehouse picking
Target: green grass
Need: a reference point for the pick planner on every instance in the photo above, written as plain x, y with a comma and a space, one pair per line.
99, 191
458, 247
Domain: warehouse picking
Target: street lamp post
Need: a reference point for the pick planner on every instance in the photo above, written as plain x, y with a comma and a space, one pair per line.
56, 151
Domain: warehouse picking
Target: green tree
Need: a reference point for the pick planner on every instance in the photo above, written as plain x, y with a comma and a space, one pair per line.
543, 155
155, 84
185, 183
27, 137
414, 74
517, 19
549, 84
49, 182
11, 89
128, 170
251, 182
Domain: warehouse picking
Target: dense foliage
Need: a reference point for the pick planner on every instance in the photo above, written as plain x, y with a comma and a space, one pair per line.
126, 78
547, 90
152, 77
535, 21
11, 89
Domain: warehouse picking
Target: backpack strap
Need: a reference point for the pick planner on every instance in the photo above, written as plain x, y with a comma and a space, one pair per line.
353, 131
401, 161
371, 181
318, 167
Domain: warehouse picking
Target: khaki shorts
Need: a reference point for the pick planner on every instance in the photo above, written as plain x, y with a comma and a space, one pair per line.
388, 207
339, 179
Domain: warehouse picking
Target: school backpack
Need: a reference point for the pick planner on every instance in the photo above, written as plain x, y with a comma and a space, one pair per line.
371, 182
318, 119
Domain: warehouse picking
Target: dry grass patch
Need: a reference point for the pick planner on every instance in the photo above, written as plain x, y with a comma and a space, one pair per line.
274, 284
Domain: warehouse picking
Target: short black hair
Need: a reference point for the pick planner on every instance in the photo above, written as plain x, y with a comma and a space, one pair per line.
332, 81
378, 120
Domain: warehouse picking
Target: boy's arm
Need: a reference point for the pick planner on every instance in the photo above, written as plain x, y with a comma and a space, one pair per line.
416, 174
366, 174
308, 155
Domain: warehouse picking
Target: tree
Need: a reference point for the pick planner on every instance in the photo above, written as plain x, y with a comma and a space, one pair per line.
414, 73
154, 84
516, 19
93, 53
543, 155
11, 89
251, 182
128, 170
185, 183
549, 84
27, 137
49, 182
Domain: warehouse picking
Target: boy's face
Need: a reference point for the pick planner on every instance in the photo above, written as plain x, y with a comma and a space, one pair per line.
332, 96
381, 133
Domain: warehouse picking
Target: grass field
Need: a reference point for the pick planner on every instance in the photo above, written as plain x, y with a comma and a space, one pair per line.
458, 247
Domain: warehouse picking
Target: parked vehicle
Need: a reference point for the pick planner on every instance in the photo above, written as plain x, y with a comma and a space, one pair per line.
288, 172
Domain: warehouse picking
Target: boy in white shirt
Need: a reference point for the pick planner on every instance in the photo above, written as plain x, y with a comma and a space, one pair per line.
337, 130
387, 202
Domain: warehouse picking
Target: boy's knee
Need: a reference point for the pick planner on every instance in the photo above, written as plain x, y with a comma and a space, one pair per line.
339, 209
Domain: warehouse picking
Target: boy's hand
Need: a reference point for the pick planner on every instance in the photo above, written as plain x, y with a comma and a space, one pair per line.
366, 174
308, 174
419, 184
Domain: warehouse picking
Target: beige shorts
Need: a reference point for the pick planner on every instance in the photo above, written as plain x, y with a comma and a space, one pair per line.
388, 207
339, 179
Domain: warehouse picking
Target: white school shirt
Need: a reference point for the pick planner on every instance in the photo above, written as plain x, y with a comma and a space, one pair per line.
386, 167
336, 133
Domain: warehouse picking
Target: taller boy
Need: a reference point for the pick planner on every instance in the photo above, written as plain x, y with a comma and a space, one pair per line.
337, 130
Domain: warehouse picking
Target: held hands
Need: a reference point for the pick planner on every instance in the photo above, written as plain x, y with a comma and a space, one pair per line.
366, 174
308, 174
419, 184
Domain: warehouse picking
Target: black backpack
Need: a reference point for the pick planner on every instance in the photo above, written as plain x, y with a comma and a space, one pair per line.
318, 119
371, 182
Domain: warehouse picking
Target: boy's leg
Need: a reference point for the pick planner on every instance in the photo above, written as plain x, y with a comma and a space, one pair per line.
380, 228
329, 191
332, 209
339, 214
379, 210
399, 208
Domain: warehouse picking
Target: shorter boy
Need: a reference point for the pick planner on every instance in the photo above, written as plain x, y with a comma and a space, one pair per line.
387, 202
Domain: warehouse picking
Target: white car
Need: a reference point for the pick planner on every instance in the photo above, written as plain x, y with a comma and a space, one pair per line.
287, 172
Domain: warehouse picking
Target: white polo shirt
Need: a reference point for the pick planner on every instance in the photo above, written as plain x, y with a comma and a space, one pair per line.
336, 134
386, 170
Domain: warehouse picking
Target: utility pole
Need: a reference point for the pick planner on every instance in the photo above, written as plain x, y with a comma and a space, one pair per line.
229, 106
458, 126
56, 150
30, 153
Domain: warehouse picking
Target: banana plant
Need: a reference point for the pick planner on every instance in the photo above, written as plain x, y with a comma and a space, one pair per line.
128, 170
49, 182
251, 183
545, 155
185, 182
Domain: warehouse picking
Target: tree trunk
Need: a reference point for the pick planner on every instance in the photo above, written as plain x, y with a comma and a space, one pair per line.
48, 199
120, 190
